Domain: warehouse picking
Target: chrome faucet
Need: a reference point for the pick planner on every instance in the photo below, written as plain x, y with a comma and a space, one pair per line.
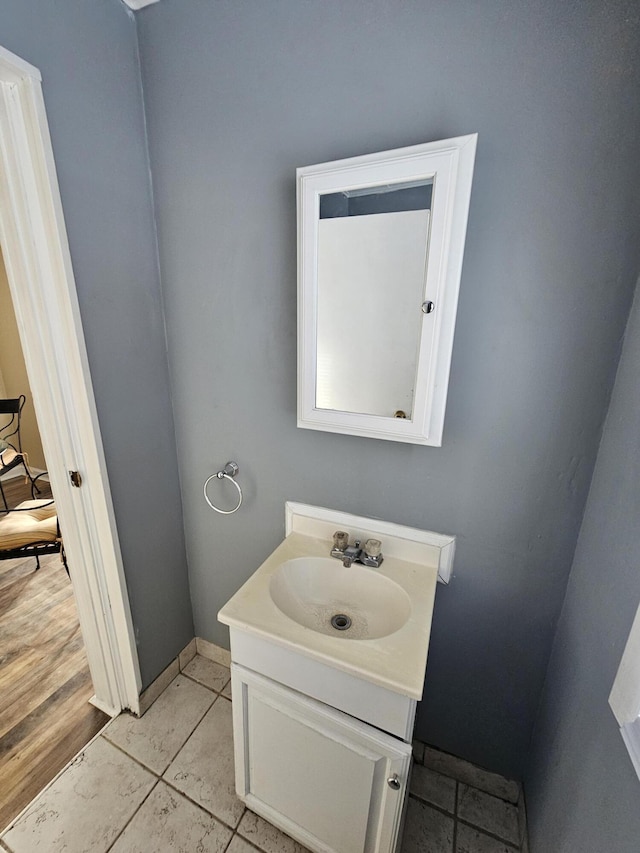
369, 555
351, 554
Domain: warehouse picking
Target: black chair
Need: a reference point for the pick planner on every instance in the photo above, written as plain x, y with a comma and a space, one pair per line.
11, 453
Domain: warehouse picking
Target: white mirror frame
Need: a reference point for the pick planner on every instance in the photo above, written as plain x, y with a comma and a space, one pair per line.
449, 163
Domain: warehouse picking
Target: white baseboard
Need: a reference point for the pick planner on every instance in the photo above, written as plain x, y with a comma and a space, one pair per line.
187, 654
159, 684
102, 706
213, 652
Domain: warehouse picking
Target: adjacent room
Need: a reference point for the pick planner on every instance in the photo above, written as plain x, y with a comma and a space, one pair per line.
45, 681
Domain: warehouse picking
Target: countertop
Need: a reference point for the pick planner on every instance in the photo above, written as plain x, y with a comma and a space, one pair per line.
396, 662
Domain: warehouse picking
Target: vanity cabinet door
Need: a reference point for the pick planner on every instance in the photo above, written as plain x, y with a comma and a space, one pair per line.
332, 782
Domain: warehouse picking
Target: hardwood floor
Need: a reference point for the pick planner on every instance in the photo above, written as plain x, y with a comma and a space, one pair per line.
45, 715
16, 490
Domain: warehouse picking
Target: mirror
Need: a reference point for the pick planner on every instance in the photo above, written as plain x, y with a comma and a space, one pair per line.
372, 254
380, 243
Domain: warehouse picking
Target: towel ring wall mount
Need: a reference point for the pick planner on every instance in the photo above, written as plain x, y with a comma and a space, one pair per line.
229, 472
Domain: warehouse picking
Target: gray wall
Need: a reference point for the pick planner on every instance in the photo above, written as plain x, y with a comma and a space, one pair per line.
87, 53
582, 790
238, 94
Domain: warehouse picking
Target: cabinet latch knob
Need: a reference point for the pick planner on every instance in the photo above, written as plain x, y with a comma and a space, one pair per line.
394, 782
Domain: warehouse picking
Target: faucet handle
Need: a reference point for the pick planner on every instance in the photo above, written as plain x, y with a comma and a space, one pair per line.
340, 540
373, 547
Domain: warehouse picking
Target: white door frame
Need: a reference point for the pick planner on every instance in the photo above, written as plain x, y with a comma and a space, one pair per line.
38, 262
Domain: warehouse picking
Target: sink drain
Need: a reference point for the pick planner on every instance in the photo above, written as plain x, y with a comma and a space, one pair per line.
341, 621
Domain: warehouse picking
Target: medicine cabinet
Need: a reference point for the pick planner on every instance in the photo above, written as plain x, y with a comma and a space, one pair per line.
380, 247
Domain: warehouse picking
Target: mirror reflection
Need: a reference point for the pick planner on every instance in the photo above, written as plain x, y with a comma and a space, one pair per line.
371, 273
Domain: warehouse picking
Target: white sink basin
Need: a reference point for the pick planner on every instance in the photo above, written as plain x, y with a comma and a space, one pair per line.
363, 604
283, 610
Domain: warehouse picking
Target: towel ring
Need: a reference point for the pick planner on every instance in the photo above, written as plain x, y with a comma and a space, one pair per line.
229, 471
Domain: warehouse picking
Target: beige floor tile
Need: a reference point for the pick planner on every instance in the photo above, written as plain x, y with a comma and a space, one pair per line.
464, 771
155, 739
239, 845
86, 807
470, 840
426, 829
489, 813
170, 823
267, 837
204, 768
433, 787
208, 672
227, 691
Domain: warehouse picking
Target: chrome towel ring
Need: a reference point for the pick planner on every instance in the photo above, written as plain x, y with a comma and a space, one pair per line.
229, 471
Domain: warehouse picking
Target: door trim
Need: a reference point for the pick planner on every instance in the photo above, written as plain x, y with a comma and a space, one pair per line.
36, 253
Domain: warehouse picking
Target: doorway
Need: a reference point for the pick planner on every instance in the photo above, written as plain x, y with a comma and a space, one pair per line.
45, 683
40, 275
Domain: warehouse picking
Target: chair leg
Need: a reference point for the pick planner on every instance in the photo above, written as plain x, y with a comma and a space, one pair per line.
4, 500
34, 485
64, 561
37, 562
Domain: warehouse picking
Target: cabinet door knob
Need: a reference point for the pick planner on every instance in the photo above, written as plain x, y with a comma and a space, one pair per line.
394, 782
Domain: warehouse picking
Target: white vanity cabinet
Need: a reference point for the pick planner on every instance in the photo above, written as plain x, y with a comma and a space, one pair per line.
334, 783
323, 720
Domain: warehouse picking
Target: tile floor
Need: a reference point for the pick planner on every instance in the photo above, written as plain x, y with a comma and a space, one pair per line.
455, 807
165, 782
